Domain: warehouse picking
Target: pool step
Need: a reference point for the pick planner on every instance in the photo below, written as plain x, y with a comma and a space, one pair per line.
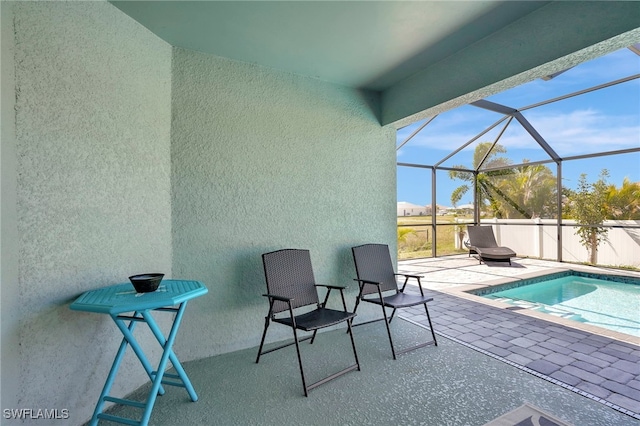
540, 307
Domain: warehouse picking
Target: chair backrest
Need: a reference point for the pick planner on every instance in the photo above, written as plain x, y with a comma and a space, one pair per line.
289, 273
481, 236
373, 263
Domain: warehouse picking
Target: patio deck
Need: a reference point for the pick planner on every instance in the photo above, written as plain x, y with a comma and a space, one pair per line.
489, 360
597, 363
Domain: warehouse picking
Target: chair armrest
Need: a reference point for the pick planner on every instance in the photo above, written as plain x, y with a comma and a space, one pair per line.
280, 298
367, 281
406, 281
334, 287
410, 276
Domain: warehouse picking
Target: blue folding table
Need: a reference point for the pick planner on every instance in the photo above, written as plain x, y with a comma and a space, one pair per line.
171, 296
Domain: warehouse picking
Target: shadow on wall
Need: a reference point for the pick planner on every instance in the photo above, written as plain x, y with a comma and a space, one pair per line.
634, 234
249, 274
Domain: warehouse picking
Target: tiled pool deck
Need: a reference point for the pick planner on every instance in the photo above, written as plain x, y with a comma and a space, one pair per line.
597, 363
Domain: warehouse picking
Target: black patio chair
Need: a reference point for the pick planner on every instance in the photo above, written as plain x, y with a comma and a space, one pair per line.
483, 243
290, 286
378, 284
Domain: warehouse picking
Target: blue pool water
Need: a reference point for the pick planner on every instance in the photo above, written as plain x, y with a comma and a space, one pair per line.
606, 301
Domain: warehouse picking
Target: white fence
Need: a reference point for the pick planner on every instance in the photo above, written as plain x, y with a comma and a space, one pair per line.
538, 238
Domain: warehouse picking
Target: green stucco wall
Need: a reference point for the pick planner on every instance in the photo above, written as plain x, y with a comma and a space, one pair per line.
123, 155
91, 152
264, 160
9, 342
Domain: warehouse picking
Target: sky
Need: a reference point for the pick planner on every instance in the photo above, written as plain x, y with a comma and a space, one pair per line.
598, 121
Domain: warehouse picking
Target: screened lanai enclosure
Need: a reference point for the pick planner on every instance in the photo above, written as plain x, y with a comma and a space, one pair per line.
553, 165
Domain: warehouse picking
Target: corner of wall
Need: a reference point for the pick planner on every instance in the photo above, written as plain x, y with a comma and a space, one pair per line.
8, 213
373, 99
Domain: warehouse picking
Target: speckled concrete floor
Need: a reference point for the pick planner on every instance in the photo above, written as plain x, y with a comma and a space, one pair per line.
445, 385
593, 361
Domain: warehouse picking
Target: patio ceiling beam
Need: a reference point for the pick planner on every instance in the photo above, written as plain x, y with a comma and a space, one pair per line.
581, 92
419, 166
535, 135
471, 141
454, 169
517, 54
602, 154
502, 109
416, 132
515, 166
492, 106
530, 163
495, 142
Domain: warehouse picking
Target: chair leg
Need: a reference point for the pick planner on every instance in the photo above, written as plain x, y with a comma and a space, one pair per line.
264, 334
386, 322
353, 344
392, 314
304, 383
355, 308
435, 342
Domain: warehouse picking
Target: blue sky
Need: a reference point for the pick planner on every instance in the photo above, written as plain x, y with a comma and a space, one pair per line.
604, 120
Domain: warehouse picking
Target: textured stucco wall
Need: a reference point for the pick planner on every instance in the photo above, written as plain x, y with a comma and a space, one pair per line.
264, 160
8, 215
92, 121
126, 159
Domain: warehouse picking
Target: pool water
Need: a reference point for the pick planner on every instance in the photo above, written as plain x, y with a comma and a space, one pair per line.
588, 299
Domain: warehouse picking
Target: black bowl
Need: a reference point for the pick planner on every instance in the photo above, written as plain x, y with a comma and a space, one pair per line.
146, 283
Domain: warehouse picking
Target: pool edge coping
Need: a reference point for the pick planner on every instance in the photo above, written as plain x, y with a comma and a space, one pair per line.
463, 291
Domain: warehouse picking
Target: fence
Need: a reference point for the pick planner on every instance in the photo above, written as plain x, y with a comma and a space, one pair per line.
538, 238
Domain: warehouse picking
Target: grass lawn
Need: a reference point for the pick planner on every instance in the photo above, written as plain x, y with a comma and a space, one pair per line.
415, 236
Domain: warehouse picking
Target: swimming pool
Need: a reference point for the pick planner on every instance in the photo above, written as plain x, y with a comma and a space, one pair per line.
607, 301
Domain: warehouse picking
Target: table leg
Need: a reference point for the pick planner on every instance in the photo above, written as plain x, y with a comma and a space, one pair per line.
166, 354
128, 335
112, 375
172, 356
155, 376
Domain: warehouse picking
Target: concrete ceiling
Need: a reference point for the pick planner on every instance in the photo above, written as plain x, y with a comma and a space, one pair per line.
415, 54
362, 44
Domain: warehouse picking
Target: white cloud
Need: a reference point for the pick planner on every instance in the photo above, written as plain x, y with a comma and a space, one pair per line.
579, 132
568, 133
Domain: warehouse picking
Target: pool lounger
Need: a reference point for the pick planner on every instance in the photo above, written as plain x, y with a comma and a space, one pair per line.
495, 254
483, 243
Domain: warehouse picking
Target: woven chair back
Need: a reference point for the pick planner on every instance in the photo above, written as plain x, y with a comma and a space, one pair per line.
373, 263
481, 236
289, 273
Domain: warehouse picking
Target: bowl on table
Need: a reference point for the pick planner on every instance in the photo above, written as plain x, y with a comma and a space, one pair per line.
146, 283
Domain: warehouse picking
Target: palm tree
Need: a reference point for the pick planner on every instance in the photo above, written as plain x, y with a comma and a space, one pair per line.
532, 189
624, 203
403, 233
483, 157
